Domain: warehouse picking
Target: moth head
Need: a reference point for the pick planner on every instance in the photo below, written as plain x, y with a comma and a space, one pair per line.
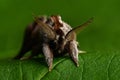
50, 22
57, 21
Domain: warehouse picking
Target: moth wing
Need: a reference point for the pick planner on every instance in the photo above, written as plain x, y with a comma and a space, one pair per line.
46, 29
72, 33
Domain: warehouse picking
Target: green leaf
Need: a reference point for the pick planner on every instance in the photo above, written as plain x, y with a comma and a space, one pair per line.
93, 66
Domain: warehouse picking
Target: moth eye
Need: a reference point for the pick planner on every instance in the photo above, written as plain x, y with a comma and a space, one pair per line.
50, 22
53, 24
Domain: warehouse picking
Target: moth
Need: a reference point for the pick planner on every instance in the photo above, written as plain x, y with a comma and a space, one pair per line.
51, 36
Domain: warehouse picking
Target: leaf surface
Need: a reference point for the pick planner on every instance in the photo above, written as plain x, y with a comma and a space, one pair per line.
93, 66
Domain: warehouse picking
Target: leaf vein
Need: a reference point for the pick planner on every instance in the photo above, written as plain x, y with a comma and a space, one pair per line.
21, 70
53, 68
82, 68
108, 66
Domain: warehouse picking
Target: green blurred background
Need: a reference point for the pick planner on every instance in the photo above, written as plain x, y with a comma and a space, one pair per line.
102, 35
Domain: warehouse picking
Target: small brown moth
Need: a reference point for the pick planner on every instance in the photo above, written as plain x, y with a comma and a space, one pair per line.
52, 37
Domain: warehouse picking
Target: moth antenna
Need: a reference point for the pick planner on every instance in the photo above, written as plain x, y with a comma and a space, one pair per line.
79, 28
34, 16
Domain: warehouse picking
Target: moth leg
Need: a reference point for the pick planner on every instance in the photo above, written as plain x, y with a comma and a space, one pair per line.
35, 52
24, 49
48, 55
73, 51
26, 46
27, 43
80, 51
